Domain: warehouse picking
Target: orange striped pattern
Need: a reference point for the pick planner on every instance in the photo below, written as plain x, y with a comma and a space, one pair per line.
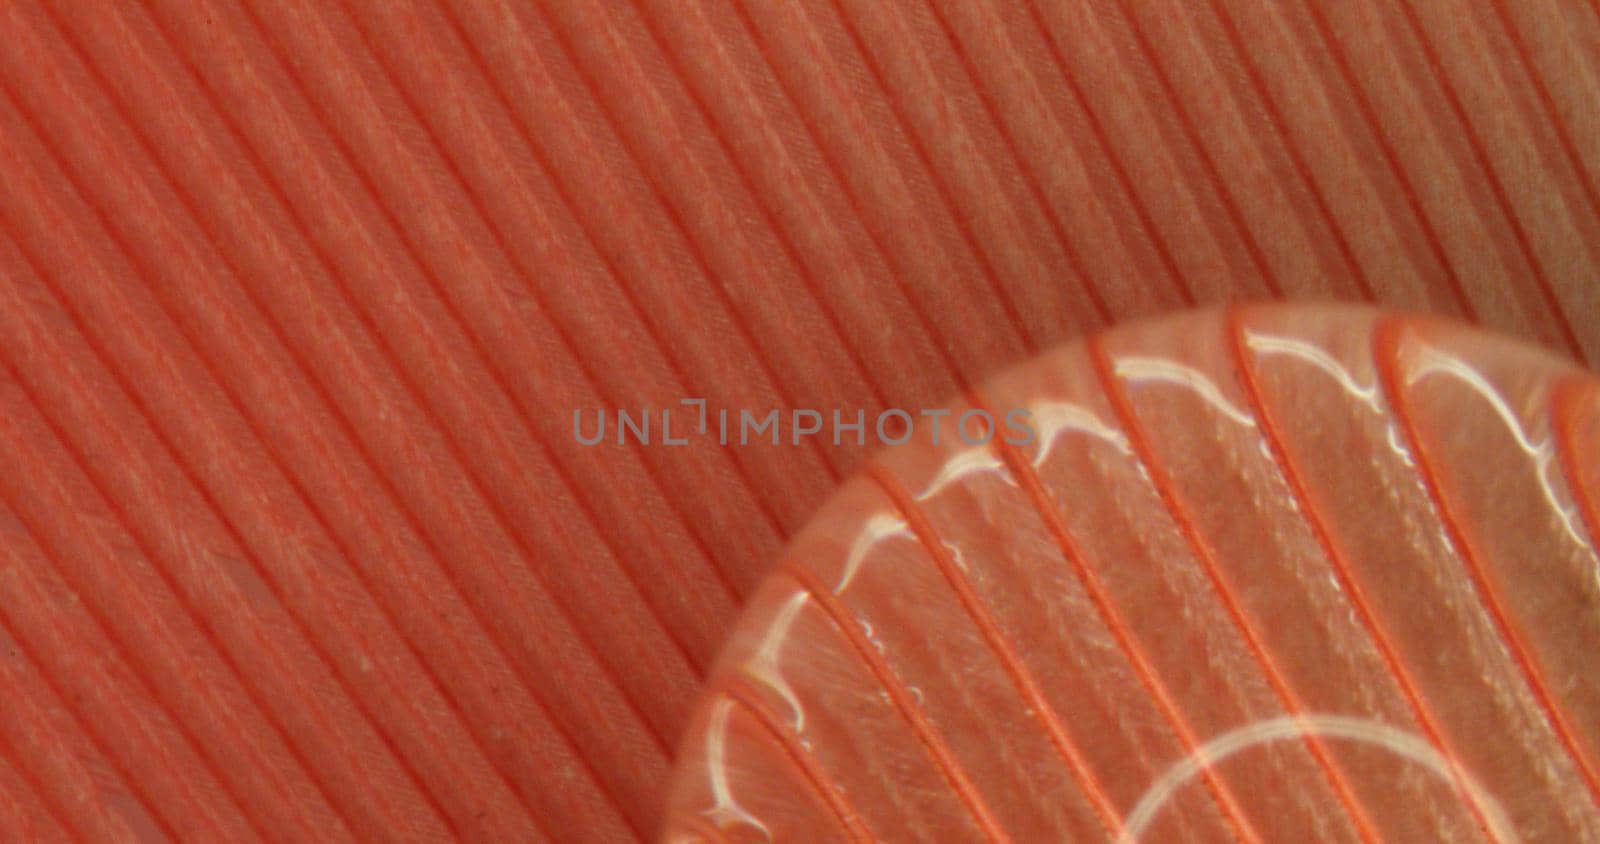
1023, 641
297, 300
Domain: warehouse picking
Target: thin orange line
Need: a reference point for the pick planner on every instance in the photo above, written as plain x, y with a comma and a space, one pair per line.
1541, 279
1280, 125
944, 759
1208, 164
205, 752
499, 513
24, 763
823, 782
611, 269
1337, 560
314, 776
1109, 150
45, 799
1098, 594
1386, 350
205, 358
806, 275
715, 281
412, 392
915, 141
1167, 490
1021, 677
846, 188
501, 241
1547, 101
1408, 191
1565, 411
141, 683
1030, 176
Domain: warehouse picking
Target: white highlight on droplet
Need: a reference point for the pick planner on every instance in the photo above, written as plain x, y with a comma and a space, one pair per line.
1435, 361
878, 527
763, 668
1140, 368
1052, 420
968, 461
1318, 357
1398, 741
725, 810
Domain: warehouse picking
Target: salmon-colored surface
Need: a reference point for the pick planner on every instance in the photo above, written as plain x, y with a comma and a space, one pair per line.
1278, 574
297, 299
